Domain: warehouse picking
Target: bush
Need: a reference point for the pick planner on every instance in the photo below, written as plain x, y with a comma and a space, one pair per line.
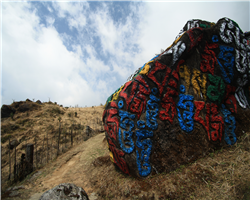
11, 115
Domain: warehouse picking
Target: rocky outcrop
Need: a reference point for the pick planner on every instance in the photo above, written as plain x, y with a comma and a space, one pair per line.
39, 102
191, 99
6, 111
65, 191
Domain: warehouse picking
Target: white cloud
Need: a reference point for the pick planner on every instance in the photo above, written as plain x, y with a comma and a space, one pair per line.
49, 9
36, 64
73, 12
50, 21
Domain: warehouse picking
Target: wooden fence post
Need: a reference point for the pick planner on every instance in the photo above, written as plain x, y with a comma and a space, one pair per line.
43, 150
71, 135
51, 157
9, 160
29, 157
15, 166
58, 139
36, 152
65, 132
47, 149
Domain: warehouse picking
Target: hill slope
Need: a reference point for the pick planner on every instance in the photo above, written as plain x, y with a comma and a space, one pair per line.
220, 175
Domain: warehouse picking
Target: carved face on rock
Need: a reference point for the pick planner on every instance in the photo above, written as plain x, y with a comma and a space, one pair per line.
181, 103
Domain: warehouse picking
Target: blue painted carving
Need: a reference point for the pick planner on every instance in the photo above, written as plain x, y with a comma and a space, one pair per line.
152, 109
215, 38
230, 125
140, 124
145, 144
185, 102
120, 104
226, 55
126, 135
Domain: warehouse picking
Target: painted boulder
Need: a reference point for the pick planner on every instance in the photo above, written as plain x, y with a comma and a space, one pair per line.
189, 100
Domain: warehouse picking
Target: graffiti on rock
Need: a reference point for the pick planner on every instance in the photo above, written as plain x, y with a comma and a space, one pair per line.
202, 79
230, 125
226, 56
185, 102
143, 142
209, 58
125, 136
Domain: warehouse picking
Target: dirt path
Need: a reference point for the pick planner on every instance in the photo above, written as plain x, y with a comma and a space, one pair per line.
71, 167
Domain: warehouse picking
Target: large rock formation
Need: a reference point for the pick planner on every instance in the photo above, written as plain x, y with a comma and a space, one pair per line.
185, 102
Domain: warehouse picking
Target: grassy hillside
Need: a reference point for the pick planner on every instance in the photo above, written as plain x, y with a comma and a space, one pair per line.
220, 175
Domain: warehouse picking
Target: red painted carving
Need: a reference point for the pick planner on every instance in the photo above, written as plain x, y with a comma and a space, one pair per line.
215, 121
199, 107
139, 102
118, 154
125, 95
168, 103
136, 100
230, 98
193, 42
159, 66
172, 83
209, 57
218, 127
111, 122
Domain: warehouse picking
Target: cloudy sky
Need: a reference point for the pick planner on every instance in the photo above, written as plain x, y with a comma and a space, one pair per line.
79, 53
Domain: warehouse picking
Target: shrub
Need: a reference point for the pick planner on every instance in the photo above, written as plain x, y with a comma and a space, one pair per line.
11, 115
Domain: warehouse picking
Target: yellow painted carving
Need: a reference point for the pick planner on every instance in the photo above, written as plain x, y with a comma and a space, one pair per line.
111, 156
146, 68
196, 81
184, 73
116, 95
212, 23
110, 153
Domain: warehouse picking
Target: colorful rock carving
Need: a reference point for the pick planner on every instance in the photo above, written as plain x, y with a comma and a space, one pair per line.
182, 103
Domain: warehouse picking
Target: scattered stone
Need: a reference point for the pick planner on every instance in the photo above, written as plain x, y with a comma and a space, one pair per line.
65, 191
191, 99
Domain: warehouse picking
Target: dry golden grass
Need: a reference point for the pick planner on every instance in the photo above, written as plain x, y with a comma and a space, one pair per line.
42, 124
224, 174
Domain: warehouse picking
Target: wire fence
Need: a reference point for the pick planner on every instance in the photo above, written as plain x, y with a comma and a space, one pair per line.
39, 152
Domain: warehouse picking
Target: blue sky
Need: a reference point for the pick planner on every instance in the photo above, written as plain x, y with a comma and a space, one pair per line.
79, 53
